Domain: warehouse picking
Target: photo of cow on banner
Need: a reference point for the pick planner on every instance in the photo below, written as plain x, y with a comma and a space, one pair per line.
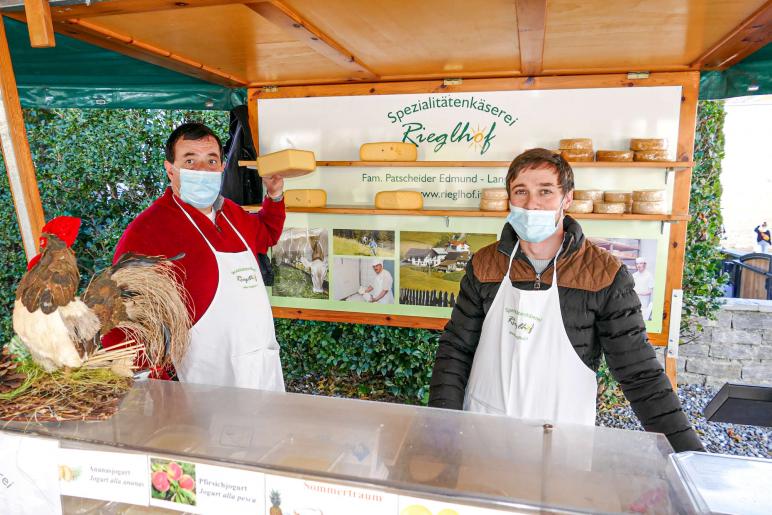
300, 264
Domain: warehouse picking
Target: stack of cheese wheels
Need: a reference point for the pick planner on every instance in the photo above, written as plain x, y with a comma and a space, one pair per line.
616, 197
305, 198
577, 149
614, 155
388, 151
494, 199
399, 199
649, 149
584, 201
649, 202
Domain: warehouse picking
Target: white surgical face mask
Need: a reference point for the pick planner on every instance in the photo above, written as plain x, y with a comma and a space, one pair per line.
534, 225
199, 188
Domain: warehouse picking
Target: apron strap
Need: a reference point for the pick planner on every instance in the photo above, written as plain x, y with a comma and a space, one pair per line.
211, 247
246, 247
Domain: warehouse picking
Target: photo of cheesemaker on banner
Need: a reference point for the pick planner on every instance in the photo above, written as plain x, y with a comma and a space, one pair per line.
363, 280
640, 258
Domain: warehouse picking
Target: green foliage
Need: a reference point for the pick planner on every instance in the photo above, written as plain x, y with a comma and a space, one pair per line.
104, 166
703, 281
397, 359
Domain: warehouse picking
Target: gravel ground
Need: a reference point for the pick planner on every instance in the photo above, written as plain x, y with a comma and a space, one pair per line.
716, 437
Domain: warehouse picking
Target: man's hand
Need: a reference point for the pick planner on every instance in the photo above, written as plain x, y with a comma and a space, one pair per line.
274, 185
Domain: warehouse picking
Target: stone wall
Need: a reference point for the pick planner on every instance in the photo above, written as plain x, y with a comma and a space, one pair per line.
736, 347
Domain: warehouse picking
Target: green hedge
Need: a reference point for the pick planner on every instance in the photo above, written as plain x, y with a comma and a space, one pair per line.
703, 282
380, 361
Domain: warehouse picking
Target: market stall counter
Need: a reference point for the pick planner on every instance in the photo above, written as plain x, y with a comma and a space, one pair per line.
207, 449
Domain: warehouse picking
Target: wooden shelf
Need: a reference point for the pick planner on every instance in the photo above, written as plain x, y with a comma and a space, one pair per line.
464, 212
659, 165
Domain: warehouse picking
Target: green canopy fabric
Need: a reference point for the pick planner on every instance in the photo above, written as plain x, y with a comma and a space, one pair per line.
751, 76
77, 74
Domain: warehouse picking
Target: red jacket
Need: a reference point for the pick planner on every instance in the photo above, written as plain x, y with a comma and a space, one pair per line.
163, 230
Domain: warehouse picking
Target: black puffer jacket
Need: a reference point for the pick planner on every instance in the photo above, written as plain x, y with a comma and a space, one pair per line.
601, 314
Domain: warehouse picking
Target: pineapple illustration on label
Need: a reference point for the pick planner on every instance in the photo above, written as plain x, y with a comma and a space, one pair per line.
275, 503
68, 474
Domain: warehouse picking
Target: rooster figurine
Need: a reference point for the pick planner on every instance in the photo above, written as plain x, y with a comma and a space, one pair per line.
138, 294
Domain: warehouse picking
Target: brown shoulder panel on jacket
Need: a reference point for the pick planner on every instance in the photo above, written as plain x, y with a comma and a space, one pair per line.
590, 268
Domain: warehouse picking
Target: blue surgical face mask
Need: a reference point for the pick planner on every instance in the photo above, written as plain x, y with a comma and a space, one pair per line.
534, 225
199, 188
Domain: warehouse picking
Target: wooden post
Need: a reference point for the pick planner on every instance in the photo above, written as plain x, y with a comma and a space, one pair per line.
252, 112
18, 159
690, 90
41, 28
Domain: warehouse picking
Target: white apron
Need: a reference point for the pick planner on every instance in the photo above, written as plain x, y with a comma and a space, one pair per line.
380, 283
525, 366
234, 343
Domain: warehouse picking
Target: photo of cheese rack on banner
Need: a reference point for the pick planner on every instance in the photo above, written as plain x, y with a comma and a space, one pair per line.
408, 187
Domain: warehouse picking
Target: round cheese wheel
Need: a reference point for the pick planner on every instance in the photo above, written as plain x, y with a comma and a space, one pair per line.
614, 155
649, 208
649, 195
609, 207
648, 144
575, 143
580, 206
488, 204
596, 195
618, 196
495, 193
578, 155
651, 155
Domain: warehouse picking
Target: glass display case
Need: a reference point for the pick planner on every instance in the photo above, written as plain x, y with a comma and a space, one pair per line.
412, 460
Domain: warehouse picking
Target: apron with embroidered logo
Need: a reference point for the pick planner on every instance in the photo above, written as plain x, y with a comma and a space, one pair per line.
234, 342
525, 366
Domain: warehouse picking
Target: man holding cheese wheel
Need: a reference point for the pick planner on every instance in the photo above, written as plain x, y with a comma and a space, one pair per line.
232, 340
520, 346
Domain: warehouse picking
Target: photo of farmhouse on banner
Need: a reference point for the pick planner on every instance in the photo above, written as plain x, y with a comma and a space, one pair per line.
432, 265
300, 264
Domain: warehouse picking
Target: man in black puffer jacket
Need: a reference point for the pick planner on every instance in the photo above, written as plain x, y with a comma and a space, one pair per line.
601, 313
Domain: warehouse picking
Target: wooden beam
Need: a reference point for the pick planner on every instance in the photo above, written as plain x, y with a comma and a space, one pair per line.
17, 155
360, 318
531, 20
41, 30
253, 122
619, 80
305, 32
690, 90
751, 35
119, 7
